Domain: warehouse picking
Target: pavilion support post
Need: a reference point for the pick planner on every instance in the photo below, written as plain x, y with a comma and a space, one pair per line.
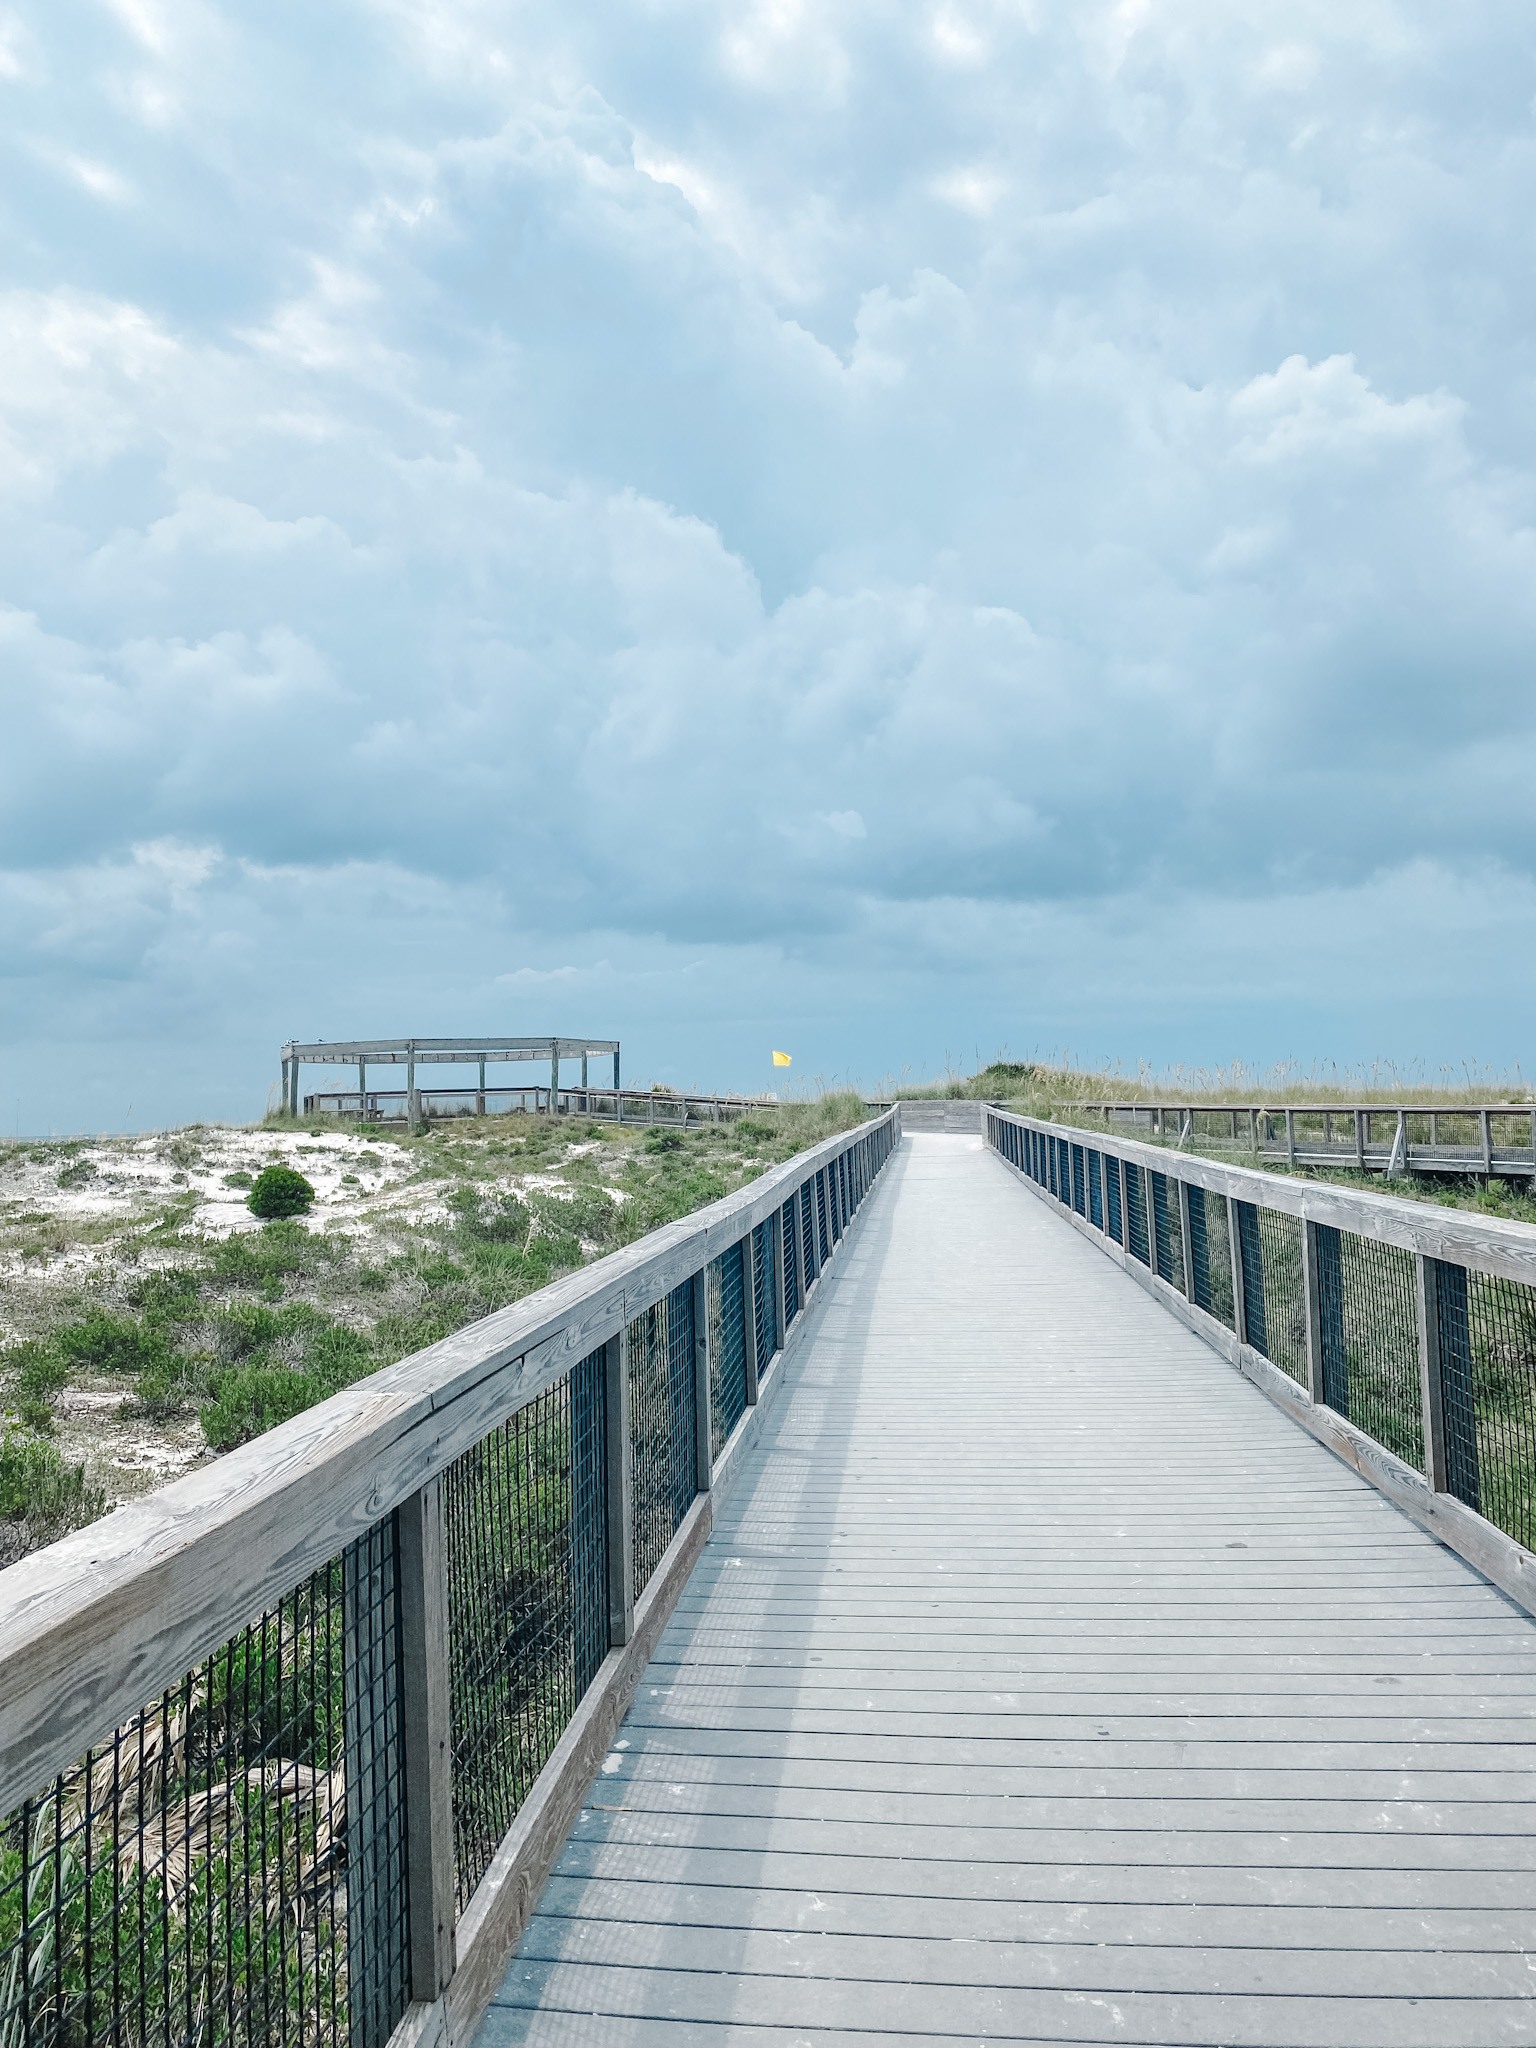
480, 1092
293, 1087
554, 1080
285, 1084
412, 1099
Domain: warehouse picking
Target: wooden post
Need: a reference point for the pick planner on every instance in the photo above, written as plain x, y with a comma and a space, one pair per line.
1239, 1290
780, 1278
1487, 1129
1290, 1137
428, 1740
1314, 1312
480, 1091
1188, 1249
702, 1408
293, 1086
362, 1091
1253, 1130
615, 1070
586, 1107
621, 1532
554, 1080
1360, 1140
749, 1311
412, 1103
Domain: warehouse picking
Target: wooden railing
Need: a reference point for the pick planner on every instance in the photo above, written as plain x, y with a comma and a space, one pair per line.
1489, 1138
458, 1567
1400, 1333
607, 1105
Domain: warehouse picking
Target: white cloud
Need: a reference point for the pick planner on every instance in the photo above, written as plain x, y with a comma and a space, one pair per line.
872, 491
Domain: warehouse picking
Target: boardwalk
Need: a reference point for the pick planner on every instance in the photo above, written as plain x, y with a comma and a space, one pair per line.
1042, 1682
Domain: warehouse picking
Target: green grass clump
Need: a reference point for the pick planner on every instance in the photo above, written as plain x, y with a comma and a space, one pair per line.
42, 1496
279, 1191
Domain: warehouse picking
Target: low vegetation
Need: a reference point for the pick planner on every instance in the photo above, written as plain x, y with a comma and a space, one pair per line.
148, 1321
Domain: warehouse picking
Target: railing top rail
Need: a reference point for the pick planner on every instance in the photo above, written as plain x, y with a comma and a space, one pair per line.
1143, 1108
1492, 1244
386, 1051
95, 1625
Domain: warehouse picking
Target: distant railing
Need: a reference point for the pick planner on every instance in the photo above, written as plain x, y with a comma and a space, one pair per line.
1493, 1138
610, 1105
287, 1747
1401, 1333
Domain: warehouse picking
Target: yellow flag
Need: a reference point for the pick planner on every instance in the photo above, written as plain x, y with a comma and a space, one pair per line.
781, 1059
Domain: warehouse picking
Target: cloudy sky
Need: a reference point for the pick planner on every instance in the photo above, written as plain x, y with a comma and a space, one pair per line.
881, 529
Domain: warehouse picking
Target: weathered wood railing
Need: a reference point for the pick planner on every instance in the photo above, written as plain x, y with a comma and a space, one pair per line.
1475, 1139
383, 1650
607, 1105
1400, 1333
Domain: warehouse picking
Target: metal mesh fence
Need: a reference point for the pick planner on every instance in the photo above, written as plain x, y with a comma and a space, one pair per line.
762, 1295
834, 1201
663, 1443
1095, 1191
525, 1520
1369, 1329
1168, 1231
1112, 1197
791, 1261
821, 1215
1079, 1190
1210, 1248
1136, 1239
230, 1866
1282, 1300
726, 1299
807, 1233
1488, 1393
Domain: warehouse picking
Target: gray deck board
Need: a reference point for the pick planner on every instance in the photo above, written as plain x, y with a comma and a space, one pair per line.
1042, 1682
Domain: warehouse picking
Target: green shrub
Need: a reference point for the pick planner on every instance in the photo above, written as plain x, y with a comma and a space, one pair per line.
40, 1495
38, 1373
279, 1191
169, 1296
76, 1174
284, 1247
237, 1180
105, 1343
254, 1398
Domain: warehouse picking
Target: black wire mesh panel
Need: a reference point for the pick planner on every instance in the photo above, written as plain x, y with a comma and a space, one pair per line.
1458, 1375
1057, 1172
821, 1214
1095, 1191
1369, 1322
1112, 1196
663, 1443
791, 1262
1136, 1216
726, 1297
1282, 1290
807, 1232
526, 1526
1250, 1253
229, 1867
1490, 1425
1167, 1230
1210, 1251
1079, 1192
834, 1204
762, 1295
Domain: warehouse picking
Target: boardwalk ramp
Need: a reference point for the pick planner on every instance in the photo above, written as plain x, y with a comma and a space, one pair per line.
1042, 1681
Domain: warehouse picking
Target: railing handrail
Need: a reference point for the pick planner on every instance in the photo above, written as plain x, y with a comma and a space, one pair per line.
99, 1622
1493, 1243
1390, 1108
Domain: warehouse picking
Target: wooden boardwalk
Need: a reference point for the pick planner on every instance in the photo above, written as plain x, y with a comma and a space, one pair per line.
1042, 1682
